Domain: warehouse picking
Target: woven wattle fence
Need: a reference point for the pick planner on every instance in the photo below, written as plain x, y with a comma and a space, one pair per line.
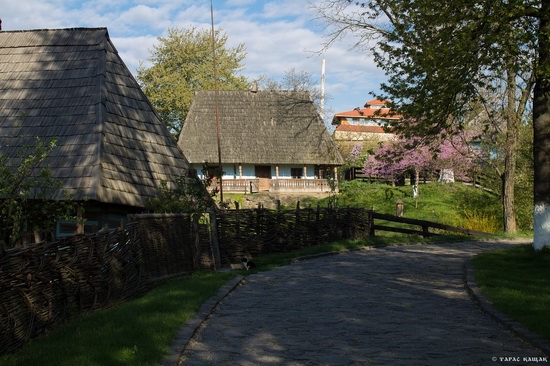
46, 284
253, 232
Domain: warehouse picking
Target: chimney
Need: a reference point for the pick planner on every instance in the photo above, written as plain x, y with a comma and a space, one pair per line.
254, 88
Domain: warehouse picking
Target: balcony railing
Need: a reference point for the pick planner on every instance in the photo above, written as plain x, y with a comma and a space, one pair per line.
275, 185
241, 185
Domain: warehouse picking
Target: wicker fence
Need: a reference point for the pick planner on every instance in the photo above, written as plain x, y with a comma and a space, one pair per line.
249, 233
44, 285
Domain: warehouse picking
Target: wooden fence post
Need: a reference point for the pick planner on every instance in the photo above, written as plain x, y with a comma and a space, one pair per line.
425, 231
214, 238
371, 222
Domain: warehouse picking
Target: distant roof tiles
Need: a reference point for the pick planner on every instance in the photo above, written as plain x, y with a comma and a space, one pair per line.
374, 109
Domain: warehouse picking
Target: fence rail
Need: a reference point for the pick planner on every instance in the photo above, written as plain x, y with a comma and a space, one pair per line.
424, 226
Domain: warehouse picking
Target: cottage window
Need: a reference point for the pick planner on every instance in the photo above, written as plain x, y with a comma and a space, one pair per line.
68, 228
297, 172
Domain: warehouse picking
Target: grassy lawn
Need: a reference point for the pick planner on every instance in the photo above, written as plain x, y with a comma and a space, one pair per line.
452, 204
137, 332
517, 282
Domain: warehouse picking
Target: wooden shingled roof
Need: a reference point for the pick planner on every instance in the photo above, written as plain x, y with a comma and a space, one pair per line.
262, 127
71, 84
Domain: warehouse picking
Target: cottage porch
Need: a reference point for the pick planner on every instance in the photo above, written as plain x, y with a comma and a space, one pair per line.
254, 185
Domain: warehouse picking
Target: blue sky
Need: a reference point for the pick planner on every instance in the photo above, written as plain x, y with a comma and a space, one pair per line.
278, 35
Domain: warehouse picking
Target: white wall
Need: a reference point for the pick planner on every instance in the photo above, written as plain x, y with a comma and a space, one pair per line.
231, 171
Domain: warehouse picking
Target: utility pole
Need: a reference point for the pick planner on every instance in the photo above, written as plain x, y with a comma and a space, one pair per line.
216, 94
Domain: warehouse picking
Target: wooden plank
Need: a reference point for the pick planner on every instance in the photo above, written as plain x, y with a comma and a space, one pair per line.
401, 230
424, 223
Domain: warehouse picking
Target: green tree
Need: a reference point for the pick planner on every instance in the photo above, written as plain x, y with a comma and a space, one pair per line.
438, 56
190, 194
182, 63
31, 200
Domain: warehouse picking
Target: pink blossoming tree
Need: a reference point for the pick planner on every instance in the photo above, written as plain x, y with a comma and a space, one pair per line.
391, 161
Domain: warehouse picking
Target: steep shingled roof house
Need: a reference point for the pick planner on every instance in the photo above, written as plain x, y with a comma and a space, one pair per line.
71, 84
273, 141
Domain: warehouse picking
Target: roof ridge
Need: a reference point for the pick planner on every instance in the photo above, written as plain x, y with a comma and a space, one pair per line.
100, 117
51, 29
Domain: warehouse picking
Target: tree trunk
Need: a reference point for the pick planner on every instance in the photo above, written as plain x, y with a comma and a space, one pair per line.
508, 178
541, 133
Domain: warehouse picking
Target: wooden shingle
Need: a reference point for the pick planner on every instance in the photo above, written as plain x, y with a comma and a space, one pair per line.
263, 127
71, 85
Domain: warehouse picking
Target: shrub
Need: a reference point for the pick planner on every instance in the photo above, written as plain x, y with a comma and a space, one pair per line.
480, 221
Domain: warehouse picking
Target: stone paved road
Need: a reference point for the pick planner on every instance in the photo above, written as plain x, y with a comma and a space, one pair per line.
401, 305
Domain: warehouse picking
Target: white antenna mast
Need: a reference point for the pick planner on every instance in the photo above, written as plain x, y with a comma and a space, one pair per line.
323, 89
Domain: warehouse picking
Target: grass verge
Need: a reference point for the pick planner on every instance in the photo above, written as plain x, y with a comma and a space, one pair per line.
138, 332
517, 282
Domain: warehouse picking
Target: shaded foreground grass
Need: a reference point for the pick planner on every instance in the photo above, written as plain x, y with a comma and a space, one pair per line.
137, 332
140, 331
517, 282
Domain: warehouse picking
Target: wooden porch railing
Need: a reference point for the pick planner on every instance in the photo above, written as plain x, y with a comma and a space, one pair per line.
241, 185
299, 185
276, 185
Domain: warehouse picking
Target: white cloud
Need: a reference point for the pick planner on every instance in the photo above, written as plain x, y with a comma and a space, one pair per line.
193, 15
238, 3
284, 8
279, 35
145, 17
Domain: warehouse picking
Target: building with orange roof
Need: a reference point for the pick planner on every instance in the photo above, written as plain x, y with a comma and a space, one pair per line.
367, 127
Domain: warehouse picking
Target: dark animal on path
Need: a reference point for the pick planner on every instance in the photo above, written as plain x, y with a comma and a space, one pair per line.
248, 264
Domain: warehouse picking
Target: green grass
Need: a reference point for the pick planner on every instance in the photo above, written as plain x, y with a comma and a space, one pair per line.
137, 332
443, 203
517, 282
454, 204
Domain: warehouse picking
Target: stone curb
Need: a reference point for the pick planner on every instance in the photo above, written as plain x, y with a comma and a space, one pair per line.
192, 325
487, 308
